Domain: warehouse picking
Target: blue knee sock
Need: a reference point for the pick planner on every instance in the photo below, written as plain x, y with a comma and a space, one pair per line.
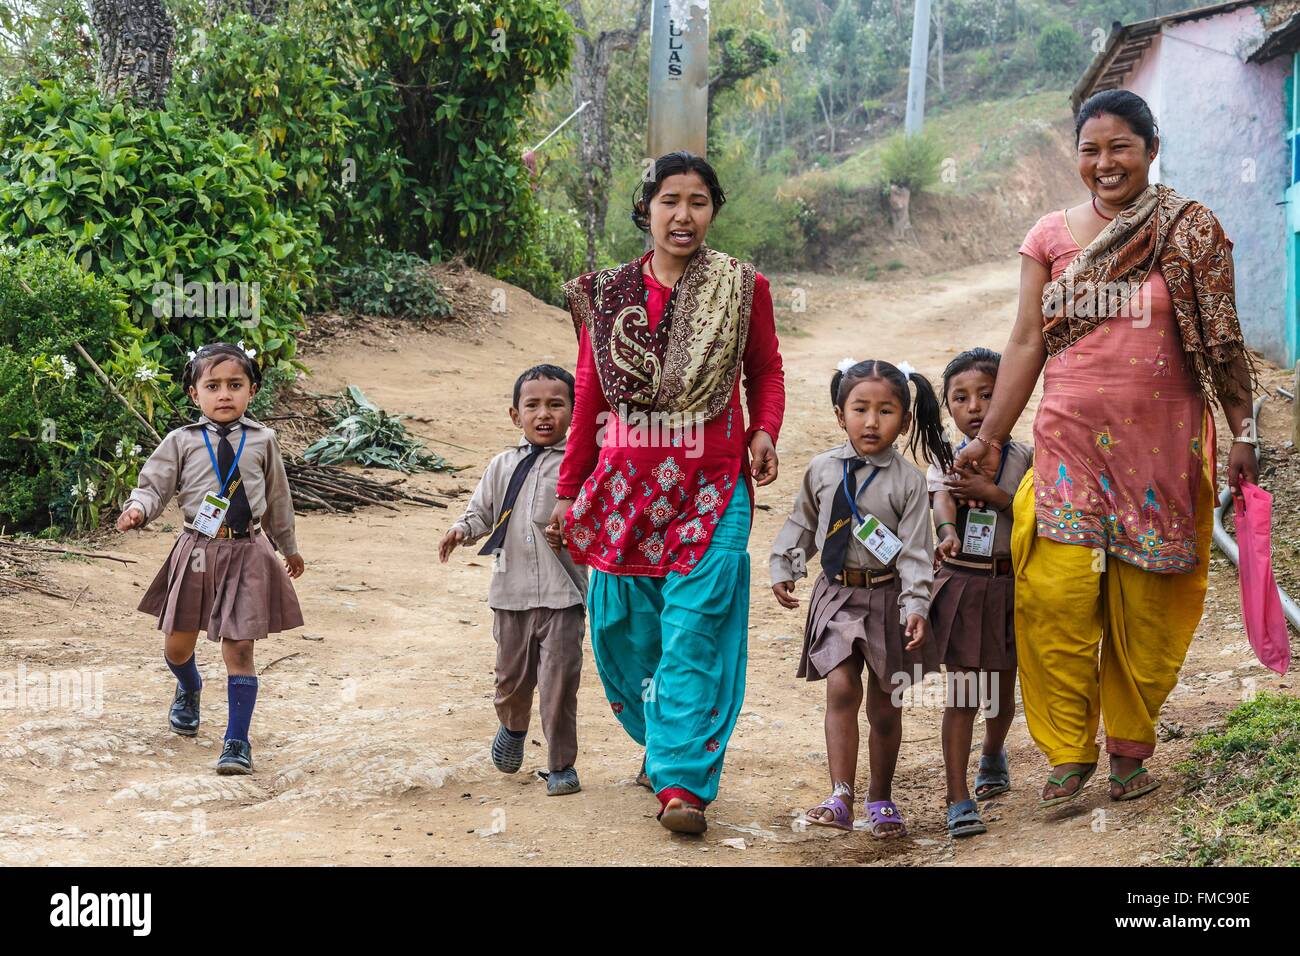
241, 692
187, 674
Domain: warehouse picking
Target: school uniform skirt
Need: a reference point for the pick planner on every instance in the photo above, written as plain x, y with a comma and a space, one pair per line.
844, 619
972, 614
229, 587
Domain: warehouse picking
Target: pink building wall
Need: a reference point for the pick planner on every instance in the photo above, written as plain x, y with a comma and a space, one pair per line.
1222, 130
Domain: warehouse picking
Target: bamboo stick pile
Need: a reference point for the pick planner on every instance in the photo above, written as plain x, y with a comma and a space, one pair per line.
334, 489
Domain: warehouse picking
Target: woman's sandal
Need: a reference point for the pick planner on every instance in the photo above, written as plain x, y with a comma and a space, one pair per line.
964, 819
994, 774
841, 813
643, 778
1084, 776
1133, 794
683, 818
881, 813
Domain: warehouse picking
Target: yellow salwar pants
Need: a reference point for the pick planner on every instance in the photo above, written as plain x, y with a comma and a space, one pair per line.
1096, 643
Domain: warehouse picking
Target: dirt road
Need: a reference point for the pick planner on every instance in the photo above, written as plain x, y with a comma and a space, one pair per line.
373, 722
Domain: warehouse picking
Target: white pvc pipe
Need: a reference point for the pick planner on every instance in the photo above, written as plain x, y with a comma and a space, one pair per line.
1228, 545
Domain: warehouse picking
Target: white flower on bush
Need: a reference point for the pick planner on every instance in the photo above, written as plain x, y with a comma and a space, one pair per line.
69, 370
77, 491
146, 373
121, 447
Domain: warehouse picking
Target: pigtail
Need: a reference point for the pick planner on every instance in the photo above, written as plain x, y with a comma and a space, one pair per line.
927, 428
835, 387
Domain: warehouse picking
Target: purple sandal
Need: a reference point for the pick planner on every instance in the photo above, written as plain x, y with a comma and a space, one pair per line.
881, 813
841, 813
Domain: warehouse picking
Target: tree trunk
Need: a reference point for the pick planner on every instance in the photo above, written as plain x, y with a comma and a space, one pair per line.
899, 201
830, 122
590, 75
938, 42
264, 11
135, 49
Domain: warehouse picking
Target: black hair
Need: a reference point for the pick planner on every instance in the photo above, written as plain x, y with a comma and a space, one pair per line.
927, 430
673, 164
1129, 107
553, 372
215, 353
978, 359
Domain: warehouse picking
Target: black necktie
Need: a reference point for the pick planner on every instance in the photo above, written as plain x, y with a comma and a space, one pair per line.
836, 546
239, 515
498, 536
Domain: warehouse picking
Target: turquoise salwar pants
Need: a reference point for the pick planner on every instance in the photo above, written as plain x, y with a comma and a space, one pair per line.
672, 652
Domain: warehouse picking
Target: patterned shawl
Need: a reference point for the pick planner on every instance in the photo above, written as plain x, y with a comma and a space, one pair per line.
689, 363
1184, 239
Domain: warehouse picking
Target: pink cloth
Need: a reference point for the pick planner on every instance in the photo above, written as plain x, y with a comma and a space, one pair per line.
1121, 429
1261, 607
650, 510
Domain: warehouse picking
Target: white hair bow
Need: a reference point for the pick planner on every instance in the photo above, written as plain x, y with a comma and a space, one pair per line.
906, 369
846, 363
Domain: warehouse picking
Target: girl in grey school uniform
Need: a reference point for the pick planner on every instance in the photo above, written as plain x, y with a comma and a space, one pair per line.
222, 575
866, 509
972, 613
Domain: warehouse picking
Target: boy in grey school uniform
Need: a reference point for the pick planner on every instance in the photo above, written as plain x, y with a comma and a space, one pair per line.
537, 596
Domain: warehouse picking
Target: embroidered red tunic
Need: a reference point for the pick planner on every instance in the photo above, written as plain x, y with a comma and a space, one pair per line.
647, 499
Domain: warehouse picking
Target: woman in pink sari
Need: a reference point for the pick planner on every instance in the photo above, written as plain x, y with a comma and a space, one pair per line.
1127, 307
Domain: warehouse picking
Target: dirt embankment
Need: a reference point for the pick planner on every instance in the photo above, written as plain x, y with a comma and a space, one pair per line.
853, 227
373, 722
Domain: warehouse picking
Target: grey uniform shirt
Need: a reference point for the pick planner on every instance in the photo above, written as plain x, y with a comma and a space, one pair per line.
897, 496
181, 466
1020, 458
528, 573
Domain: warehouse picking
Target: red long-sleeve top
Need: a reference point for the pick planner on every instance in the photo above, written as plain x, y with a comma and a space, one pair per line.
647, 499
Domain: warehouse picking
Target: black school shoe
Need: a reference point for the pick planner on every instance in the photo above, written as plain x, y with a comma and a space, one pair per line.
236, 757
184, 715
561, 783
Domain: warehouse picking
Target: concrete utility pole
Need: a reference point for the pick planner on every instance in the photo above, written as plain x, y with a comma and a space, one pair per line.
916, 72
679, 77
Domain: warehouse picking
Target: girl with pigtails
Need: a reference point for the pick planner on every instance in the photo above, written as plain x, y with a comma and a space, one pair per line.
867, 510
222, 576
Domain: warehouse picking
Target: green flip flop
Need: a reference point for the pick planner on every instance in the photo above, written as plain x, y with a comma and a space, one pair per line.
1083, 775
1133, 794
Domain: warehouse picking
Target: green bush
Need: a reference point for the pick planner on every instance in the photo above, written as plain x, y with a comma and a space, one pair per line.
280, 89
439, 99
911, 161
1244, 781
394, 284
182, 219
1061, 51
68, 450
557, 253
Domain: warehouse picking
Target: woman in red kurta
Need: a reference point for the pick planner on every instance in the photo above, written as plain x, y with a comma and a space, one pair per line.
656, 488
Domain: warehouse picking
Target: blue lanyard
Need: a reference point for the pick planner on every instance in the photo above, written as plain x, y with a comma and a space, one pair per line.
853, 505
243, 434
1005, 448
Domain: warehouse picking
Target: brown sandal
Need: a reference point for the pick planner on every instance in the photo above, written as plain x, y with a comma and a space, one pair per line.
683, 818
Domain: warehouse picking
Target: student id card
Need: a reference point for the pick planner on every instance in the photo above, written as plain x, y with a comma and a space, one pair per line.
876, 538
981, 526
211, 515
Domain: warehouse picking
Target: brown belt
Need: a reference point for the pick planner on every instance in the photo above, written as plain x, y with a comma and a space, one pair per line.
226, 531
859, 578
997, 567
